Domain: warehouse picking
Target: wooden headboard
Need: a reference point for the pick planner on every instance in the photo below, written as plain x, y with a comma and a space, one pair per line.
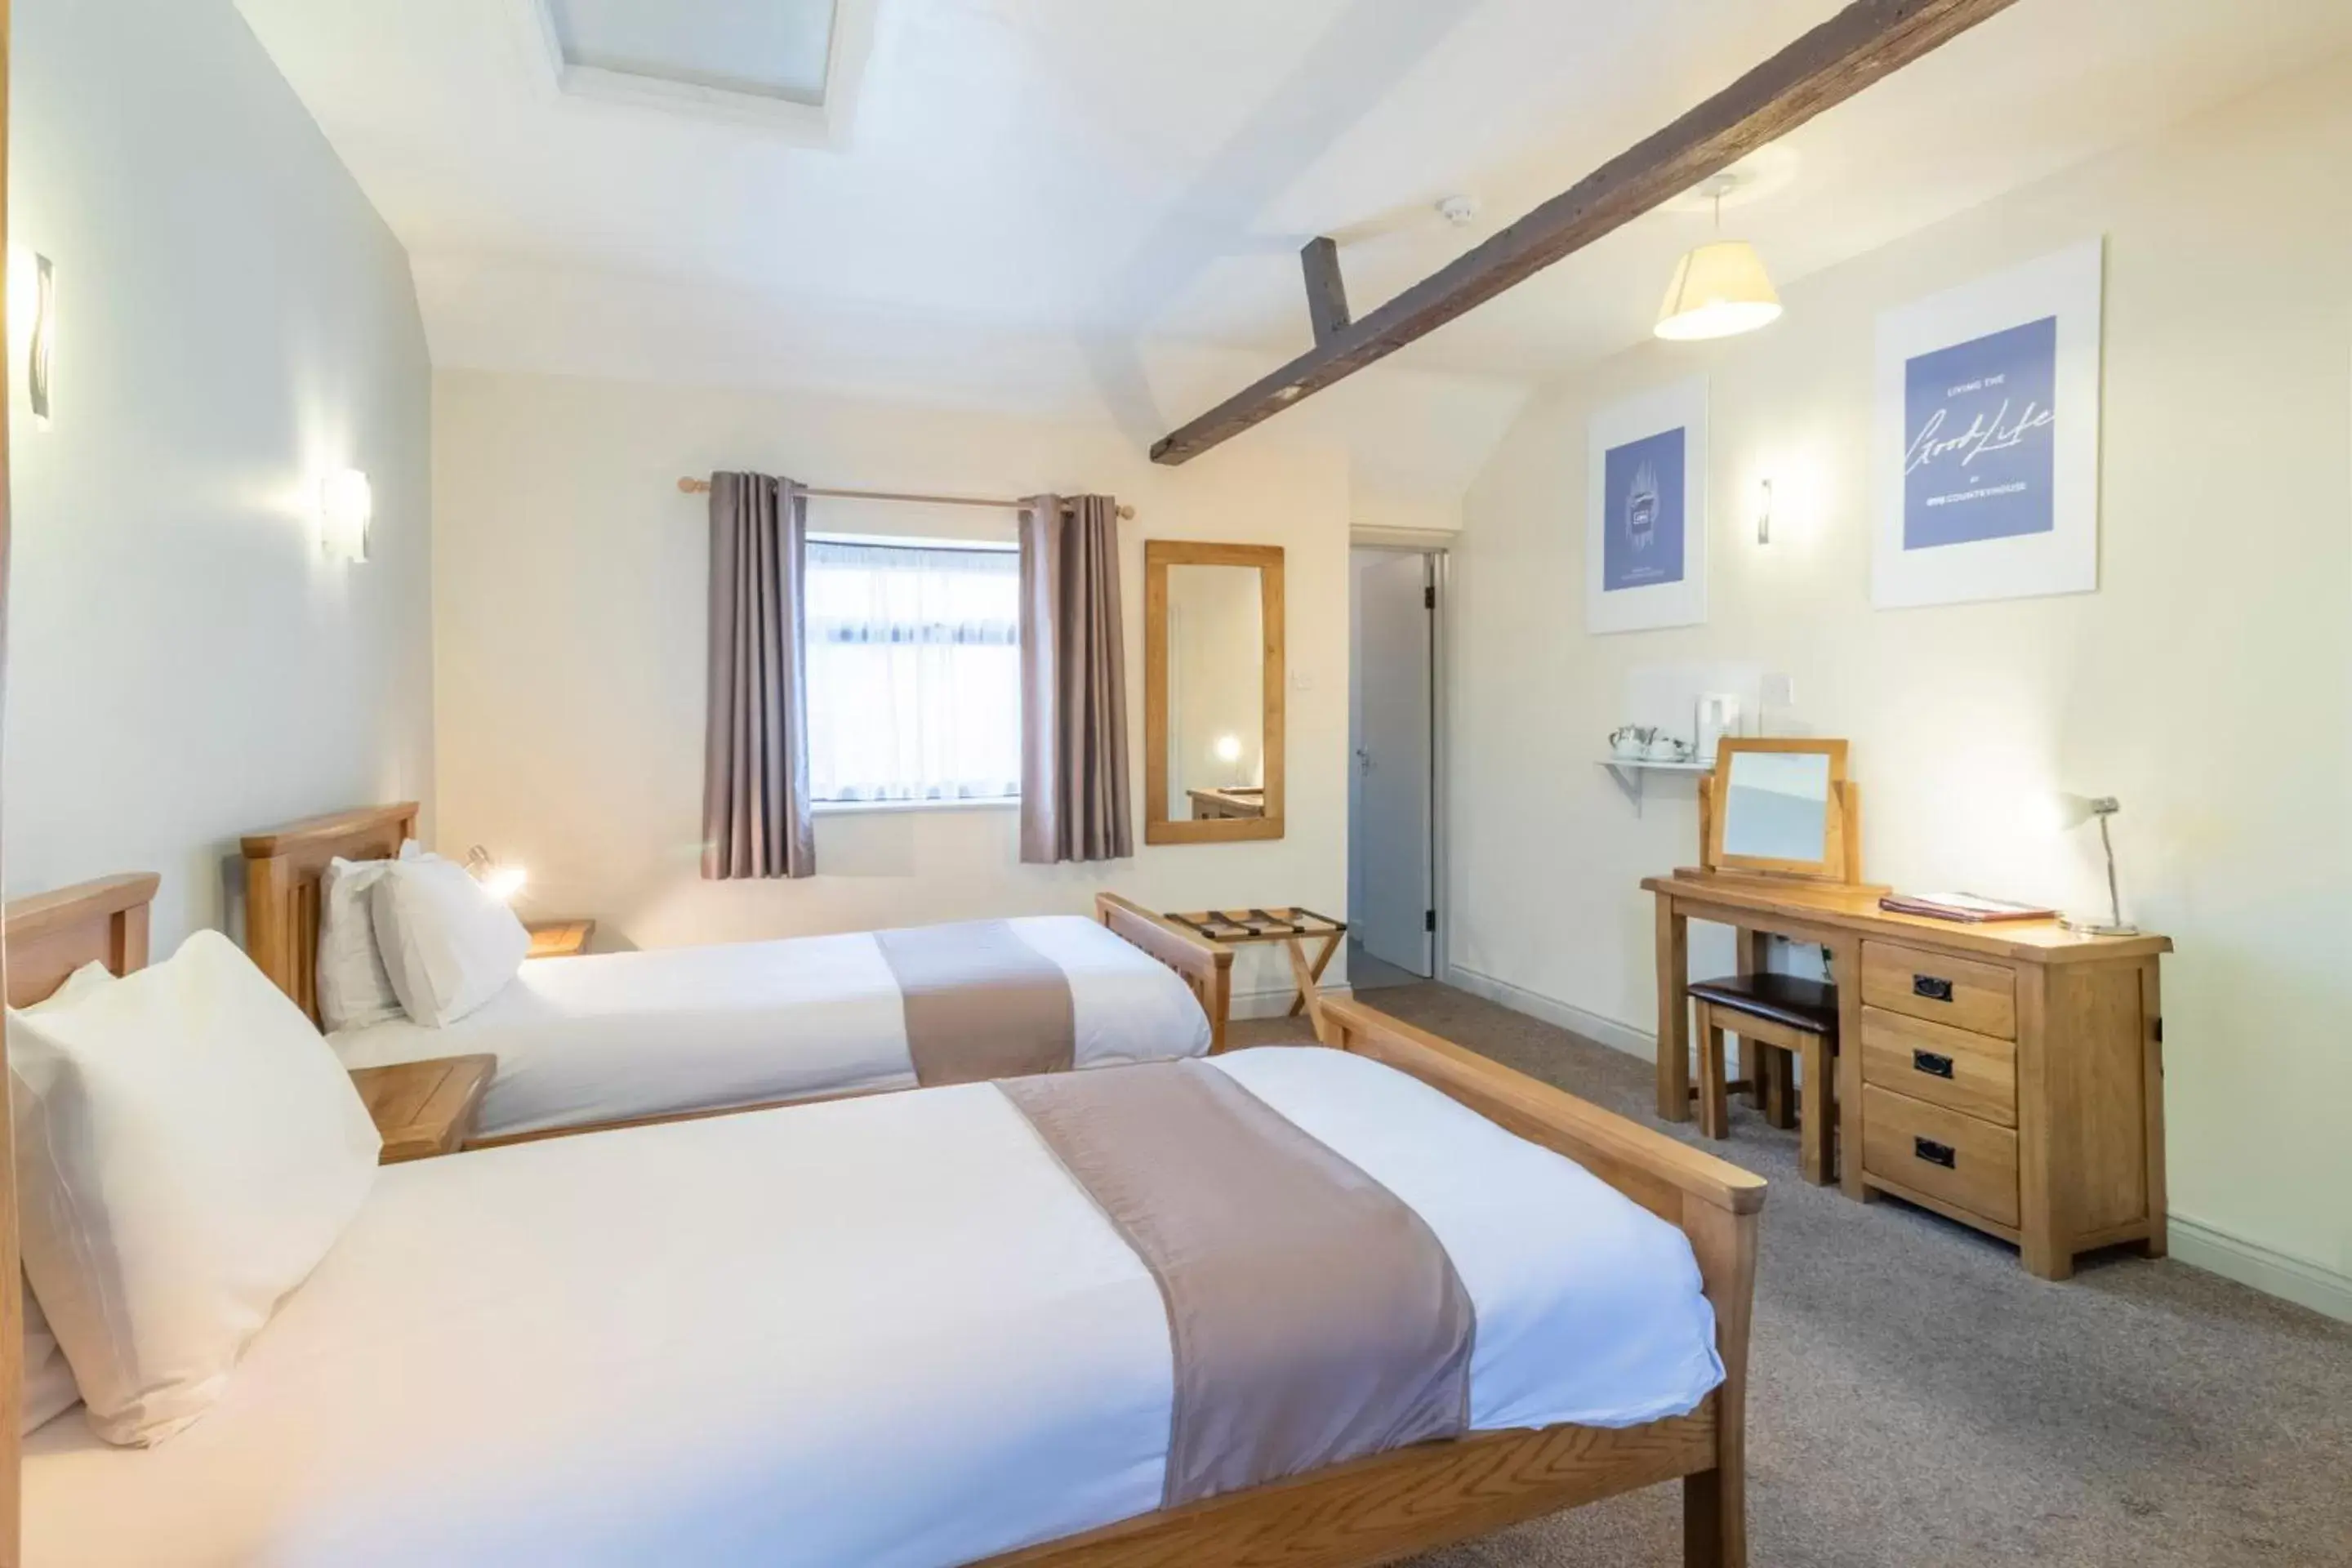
50, 935
282, 868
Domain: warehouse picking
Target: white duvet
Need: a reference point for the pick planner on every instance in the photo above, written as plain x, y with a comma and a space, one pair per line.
617, 1037
887, 1331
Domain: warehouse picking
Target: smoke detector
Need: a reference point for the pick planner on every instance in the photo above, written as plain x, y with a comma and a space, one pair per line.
1459, 211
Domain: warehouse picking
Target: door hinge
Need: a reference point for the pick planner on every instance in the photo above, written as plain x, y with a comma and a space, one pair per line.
1428, 599
1428, 921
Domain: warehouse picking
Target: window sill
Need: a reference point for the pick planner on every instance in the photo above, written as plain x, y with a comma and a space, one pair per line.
885, 807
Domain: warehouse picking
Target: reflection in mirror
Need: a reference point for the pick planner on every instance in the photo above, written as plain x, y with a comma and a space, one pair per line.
1777, 807
1216, 692
1212, 690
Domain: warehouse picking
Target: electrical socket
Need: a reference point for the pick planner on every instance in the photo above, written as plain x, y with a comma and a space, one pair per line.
1779, 691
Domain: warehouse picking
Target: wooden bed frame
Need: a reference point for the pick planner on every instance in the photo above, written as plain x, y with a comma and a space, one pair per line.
1369, 1512
1204, 966
1417, 1499
48, 937
283, 866
282, 869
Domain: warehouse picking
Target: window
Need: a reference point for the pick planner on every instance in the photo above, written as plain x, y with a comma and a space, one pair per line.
914, 673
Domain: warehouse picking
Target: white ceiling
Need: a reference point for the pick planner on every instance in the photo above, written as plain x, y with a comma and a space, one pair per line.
1037, 187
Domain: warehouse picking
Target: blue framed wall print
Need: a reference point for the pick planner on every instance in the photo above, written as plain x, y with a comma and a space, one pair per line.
1987, 436
1646, 512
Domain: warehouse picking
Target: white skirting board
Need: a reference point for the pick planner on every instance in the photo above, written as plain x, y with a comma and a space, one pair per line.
2290, 1278
1562, 1015
2191, 1242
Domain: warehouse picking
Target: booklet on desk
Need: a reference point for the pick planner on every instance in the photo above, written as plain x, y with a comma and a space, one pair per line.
1969, 908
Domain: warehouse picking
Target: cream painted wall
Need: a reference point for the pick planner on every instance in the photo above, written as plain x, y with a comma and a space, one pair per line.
569, 642
234, 322
2205, 683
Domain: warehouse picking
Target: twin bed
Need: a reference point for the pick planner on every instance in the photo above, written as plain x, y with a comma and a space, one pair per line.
617, 1039
941, 1327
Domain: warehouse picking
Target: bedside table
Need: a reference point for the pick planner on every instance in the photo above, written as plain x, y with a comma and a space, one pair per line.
426, 1107
559, 939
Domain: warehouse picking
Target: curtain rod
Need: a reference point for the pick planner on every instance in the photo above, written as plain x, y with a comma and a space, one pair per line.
702, 487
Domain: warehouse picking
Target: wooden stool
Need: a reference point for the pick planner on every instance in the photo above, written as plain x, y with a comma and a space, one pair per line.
1777, 1012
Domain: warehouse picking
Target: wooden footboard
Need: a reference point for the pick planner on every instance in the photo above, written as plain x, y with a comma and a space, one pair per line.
1716, 1204
1204, 966
1394, 1505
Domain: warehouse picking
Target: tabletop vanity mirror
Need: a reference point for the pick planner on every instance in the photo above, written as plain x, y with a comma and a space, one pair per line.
1213, 692
1781, 808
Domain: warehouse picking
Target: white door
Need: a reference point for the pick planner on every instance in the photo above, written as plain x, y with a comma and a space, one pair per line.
1390, 901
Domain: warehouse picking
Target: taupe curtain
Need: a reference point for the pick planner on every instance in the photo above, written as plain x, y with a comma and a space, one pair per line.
755, 791
1073, 791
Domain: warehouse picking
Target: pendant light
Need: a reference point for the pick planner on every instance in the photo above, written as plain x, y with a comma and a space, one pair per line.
1721, 289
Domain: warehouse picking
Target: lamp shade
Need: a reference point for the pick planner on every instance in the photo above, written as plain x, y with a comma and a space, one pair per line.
2071, 811
1718, 291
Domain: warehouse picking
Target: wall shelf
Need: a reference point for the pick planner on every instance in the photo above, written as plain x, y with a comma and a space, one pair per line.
1630, 772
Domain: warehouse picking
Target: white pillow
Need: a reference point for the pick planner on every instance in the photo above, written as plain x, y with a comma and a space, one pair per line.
353, 990
49, 1390
448, 945
188, 1149
49, 1387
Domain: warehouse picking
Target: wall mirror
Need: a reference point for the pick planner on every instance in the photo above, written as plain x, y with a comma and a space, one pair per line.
1212, 689
1782, 808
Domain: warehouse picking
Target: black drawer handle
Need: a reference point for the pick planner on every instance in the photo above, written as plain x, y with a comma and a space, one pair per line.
1936, 1153
1933, 989
1931, 1064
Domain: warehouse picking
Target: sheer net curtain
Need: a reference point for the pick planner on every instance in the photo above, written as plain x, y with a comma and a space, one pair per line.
914, 673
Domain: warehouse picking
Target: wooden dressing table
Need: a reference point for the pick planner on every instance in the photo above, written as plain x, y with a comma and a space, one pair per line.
2009, 1076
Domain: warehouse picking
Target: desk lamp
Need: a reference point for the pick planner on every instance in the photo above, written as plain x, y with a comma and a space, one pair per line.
2071, 811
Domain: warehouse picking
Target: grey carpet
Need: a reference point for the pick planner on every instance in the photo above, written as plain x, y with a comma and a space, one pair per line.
1917, 1399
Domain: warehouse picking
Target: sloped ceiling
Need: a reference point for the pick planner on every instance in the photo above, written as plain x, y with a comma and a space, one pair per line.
1051, 203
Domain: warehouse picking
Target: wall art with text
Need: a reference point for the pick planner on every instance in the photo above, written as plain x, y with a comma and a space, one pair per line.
1986, 467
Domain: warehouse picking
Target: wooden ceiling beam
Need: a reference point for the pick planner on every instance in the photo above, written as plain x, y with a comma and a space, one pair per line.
1867, 41
1327, 292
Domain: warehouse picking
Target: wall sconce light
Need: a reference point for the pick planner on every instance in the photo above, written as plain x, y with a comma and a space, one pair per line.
501, 882
45, 332
1764, 514
346, 512
33, 323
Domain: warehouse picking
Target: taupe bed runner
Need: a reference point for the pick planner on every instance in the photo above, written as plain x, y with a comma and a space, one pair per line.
980, 1003
1315, 1317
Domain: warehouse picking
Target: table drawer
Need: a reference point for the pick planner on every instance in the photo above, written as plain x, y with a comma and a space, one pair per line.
1973, 1074
1968, 1163
1961, 992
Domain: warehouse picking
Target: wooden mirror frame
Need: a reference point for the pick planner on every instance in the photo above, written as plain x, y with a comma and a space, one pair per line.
1842, 827
1159, 555
12, 1319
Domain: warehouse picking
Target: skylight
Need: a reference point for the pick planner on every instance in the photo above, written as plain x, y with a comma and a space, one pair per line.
766, 48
